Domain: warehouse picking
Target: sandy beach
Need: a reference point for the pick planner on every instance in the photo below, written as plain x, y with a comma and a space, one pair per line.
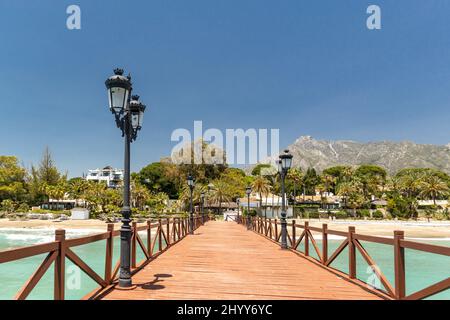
413, 229
55, 224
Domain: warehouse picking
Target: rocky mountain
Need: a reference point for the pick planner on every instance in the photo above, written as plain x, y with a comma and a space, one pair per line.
393, 156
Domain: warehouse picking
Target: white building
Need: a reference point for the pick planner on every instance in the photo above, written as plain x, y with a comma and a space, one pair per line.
112, 177
271, 205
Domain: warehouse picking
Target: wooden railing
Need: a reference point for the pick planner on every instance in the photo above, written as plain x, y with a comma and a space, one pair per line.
166, 233
298, 233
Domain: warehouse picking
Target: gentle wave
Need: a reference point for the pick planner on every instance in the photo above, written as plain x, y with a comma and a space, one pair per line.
20, 236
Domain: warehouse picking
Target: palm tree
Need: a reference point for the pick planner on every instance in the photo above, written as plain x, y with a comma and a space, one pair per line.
139, 195
321, 189
355, 200
77, 189
220, 193
344, 191
296, 176
273, 180
410, 184
328, 182
394, 185
261, 186
433, 186
347, 174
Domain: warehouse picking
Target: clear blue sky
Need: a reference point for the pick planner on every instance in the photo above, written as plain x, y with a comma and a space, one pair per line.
306, 67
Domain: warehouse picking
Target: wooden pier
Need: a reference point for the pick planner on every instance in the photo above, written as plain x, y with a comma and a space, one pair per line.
231, 261
225, 261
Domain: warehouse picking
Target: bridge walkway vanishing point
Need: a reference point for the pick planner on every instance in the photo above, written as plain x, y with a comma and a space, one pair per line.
224, 261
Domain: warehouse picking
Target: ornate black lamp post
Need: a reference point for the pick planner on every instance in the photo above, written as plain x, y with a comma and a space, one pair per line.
284, 165
202, 206
129, 114
191, 184
248, 191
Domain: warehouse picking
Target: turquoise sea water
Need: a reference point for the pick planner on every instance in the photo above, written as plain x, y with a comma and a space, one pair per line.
13, 275
422, 269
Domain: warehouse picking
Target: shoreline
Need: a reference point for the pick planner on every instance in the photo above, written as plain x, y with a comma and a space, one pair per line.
418, 230
434, 230
91, 224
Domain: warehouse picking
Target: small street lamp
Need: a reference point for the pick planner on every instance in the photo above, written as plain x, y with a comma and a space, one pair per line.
248, 191
284, 164
238, 201
191, 184
129, 114
202, 198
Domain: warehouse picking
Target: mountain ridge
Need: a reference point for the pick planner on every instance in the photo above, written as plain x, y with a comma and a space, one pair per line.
393, 156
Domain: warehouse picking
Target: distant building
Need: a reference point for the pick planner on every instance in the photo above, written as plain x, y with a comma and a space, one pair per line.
63, 204
271, 205
112, 177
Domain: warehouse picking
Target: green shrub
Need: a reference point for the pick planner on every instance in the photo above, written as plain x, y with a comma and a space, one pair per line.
253, 213
378, 215
23, 207
312, 215
341, 215
8, 206
363, 213
66, 212
439, 216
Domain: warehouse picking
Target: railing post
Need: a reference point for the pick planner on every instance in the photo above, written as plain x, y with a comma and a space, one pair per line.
168, 231
182, 227
109, 253
174, 229
59, 285
149, 237
399, 260
160, 235
306, 239
179, 228
265, 226
351, 254
270, 228
324, 243
276, 230
133, 244
293, 234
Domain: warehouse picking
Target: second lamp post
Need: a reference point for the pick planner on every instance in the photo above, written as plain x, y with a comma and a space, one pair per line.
248, 191
202, 206
284, 164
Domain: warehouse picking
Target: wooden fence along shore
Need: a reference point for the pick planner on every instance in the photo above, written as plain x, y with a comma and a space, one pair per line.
271, 229
167, 232
164, 233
